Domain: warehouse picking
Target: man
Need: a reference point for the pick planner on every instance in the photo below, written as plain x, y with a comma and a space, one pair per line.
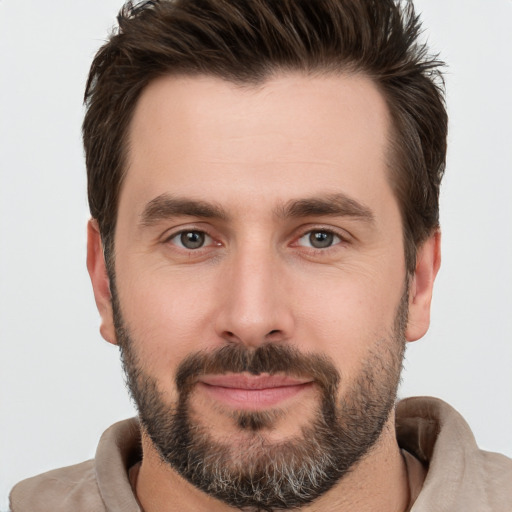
263, 182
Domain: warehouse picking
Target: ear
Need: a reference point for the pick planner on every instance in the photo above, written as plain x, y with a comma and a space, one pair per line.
428, 261
100, 281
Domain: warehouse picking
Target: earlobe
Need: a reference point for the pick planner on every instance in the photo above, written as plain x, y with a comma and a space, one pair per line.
428, 261
100, 281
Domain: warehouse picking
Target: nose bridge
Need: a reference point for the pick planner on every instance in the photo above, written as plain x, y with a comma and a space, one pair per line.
255, 308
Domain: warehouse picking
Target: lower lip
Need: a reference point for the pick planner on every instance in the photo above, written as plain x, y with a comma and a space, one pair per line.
254, 399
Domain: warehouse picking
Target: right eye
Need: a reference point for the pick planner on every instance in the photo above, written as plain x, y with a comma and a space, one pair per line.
191, 240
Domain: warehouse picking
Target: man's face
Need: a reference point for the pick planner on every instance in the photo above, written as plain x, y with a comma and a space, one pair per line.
259, 272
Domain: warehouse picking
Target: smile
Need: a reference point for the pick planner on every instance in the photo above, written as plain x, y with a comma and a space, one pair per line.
252, 392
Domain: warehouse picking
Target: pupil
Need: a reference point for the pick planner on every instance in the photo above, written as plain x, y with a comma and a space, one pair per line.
192, 239
321, 239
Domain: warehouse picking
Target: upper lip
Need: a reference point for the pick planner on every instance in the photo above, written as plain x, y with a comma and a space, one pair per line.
247, 381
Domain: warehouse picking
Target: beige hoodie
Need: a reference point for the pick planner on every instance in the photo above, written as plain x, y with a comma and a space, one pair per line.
460, 477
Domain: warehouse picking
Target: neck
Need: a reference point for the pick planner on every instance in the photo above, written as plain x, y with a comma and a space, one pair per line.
377, 482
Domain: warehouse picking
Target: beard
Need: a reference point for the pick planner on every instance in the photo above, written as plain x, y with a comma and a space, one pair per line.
259, 474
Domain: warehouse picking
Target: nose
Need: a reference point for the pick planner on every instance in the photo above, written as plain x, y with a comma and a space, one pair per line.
255, 306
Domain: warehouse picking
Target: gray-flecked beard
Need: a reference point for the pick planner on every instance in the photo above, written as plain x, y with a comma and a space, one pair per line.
260, 474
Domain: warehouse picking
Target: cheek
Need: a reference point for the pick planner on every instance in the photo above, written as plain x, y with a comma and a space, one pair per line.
344, 316
167, 319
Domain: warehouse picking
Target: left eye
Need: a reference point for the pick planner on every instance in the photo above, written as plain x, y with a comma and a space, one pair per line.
319, 239
191, 239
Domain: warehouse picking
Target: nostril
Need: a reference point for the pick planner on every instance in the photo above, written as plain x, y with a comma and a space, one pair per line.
230, 336
275, 336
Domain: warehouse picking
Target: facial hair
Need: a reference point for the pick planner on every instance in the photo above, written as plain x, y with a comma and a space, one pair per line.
264, 475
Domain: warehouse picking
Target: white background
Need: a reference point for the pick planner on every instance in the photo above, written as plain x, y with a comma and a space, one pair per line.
60, 383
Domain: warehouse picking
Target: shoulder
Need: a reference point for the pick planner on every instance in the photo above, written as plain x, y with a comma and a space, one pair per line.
497, 476
460, 475
98, 485
70, 488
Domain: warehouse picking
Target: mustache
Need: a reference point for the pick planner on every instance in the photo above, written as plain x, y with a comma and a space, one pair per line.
269, 358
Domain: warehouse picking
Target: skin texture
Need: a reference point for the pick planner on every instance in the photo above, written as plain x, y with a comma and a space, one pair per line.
252, 155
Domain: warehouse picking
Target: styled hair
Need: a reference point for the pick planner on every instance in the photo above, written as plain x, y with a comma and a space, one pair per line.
248, 41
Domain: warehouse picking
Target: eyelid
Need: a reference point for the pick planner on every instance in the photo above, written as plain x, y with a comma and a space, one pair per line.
172, 233
184, 228
177, 236
339, 232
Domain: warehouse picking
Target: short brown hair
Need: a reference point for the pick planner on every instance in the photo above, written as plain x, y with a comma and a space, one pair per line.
245, 41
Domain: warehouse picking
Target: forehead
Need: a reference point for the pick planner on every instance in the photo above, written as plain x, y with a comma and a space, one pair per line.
294, 133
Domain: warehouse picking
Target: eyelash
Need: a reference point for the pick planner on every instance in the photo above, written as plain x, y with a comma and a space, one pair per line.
342, 238
177, 234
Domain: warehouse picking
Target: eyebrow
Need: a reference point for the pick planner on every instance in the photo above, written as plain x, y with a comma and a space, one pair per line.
166, 206
335, 205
